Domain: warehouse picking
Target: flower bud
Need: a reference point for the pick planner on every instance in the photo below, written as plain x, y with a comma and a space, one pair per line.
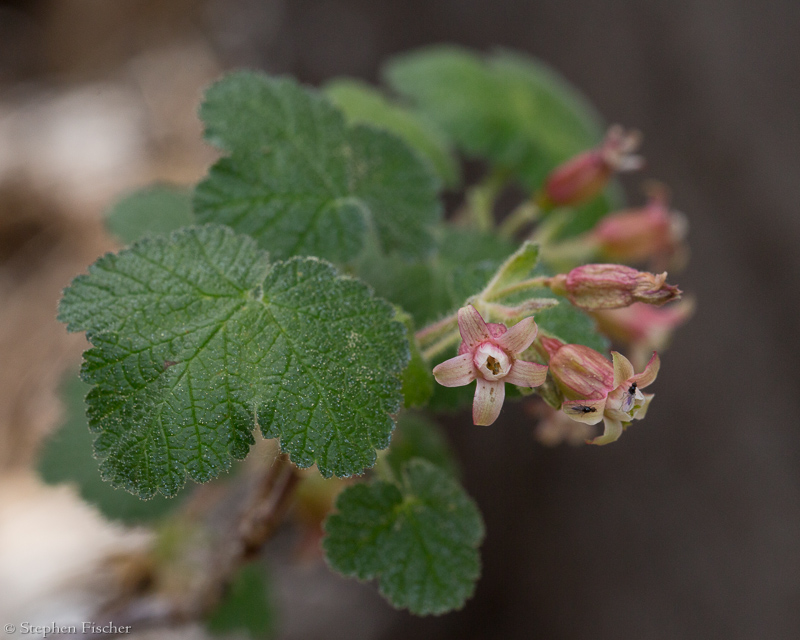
581, 372
644, 328
612, 286
647, 233
584, 176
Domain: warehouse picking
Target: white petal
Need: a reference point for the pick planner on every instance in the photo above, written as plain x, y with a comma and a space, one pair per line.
472, 327
455, 372
650, 372
488, 401
588, 411
527, 374
623, 369
613, 430
519, 337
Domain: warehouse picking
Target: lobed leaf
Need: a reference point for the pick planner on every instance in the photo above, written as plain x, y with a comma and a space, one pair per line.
150, 211
367, 105
507, 108
302, 182
419, 538
197, 338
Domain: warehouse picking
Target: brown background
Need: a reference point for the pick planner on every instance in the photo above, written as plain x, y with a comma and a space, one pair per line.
689, 526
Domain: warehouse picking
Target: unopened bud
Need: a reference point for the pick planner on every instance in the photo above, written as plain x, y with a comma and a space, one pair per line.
580, 372
647, 233
586, 175
613, 286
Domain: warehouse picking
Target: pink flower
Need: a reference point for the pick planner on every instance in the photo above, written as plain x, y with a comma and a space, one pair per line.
612, 286
489, 354
583, 177
596, 389
653, 232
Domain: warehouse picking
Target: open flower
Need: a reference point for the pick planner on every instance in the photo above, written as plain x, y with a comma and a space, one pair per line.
596, 389
489, 354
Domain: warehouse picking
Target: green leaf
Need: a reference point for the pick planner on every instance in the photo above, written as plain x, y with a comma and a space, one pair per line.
149, 212
67, 458
507, 108
418, 437
568, 323
510, 109
247, 606
417, 378
515, 269
428, 290
366, 105
419, 539
197, 339
302, 182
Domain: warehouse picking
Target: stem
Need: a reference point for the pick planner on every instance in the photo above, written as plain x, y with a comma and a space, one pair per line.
443, 344
525, 285
481, 198
436, 330
264, 506
525, 213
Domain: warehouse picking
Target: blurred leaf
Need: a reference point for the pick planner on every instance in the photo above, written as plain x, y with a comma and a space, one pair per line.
302, 182
419, 437
417, 378
67, 458
507, 108
428, 290
247, 606
366, 105
569, 323
150, 212
419, 538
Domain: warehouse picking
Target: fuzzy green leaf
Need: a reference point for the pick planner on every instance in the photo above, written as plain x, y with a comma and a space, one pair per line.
150, 212
419, 538
197, 339
417, 378
465, 262
66, 457
507, 108
513, 110
302, 182
364, 104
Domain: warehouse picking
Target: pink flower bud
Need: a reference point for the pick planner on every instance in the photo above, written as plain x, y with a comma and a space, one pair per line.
489, 354
583, 177
652, 232
612, 286
643, 327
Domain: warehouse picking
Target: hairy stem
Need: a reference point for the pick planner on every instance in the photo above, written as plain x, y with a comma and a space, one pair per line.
525, 213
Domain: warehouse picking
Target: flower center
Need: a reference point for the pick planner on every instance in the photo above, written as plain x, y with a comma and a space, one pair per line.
492, 361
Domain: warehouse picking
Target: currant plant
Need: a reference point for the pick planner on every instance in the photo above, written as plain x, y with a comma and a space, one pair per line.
310, 288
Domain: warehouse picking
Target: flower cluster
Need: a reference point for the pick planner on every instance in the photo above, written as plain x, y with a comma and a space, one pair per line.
598, 390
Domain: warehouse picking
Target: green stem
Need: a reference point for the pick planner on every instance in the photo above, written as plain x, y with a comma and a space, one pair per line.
525, 213
481, 198
525, 285
442, 345
436, 330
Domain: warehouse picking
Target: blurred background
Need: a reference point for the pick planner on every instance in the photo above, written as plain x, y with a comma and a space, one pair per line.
689, 527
